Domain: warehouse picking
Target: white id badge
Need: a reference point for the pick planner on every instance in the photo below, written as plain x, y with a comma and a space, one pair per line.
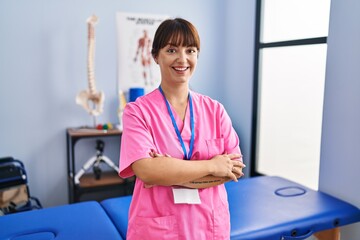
186, 195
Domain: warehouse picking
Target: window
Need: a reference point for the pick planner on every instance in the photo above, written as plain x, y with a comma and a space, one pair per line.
289, 78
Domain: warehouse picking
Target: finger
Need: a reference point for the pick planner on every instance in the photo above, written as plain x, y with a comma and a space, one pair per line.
239, 164
158, 155
155, 154
237, 170
242, 165
239, 175
233, 176
233, 156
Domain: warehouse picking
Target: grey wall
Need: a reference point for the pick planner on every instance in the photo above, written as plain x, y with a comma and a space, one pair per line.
43, 55
340, 145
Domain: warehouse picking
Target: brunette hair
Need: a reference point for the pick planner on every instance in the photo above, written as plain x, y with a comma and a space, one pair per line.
177, 32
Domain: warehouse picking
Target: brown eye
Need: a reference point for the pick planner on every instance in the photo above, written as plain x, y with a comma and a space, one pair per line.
192, 50
171, 50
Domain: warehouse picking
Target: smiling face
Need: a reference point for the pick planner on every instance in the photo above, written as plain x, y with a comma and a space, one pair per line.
176, 48
177, 63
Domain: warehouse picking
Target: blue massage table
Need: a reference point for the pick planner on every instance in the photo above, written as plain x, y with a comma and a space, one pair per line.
86, 220
267, 208
275, 208
118, 209
261, 208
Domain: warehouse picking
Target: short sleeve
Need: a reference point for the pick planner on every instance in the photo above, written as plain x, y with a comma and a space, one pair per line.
231, 139
136, 140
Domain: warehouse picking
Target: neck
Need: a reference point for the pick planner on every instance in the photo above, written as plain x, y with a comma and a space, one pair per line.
178, 98
176, 95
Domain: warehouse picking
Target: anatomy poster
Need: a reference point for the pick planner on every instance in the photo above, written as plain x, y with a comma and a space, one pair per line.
136, 67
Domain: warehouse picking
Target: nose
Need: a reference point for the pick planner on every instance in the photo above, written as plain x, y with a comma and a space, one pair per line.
182, 57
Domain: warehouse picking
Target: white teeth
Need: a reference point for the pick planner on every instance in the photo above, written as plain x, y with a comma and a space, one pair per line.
180, 69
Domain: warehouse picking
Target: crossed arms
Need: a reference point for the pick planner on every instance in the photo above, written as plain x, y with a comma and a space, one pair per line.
167, 171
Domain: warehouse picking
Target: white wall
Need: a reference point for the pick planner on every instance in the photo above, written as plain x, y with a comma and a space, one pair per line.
340, 147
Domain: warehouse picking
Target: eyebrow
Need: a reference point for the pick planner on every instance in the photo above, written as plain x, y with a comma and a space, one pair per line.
173, 45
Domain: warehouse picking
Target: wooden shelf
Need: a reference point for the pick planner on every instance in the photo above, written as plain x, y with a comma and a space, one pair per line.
92, 132
107, 178
90, 188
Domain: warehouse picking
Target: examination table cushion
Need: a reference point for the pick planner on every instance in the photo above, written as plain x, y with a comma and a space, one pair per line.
261, 208
268, 207
86, 220
118, 210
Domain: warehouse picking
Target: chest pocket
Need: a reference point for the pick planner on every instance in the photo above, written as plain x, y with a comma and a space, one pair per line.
215, 147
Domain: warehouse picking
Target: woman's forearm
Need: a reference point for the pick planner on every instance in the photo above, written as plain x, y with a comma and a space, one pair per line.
168, 171
206, 182
211, 181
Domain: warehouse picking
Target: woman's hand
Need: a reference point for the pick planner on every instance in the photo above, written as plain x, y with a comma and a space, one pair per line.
228, 166
224, 162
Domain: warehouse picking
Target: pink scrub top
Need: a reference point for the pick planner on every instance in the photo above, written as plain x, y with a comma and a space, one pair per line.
148, 127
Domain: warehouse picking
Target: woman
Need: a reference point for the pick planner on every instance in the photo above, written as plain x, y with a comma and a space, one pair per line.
181, 146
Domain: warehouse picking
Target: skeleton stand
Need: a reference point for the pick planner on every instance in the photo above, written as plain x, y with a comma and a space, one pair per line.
94, 121
95, 163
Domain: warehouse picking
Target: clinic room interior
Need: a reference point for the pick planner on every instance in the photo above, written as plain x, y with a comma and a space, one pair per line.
288, 77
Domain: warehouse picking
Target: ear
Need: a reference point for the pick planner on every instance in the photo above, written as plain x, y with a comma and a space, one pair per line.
155, 58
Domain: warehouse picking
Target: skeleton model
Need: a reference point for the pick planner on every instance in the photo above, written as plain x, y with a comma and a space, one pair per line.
91, 94
97, 99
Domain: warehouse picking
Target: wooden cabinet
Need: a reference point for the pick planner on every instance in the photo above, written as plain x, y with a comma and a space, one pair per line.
88, 186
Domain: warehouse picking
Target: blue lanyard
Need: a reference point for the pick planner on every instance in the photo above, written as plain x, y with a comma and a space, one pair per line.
187, 157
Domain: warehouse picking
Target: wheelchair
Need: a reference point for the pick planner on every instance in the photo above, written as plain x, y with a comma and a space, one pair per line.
14, 190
